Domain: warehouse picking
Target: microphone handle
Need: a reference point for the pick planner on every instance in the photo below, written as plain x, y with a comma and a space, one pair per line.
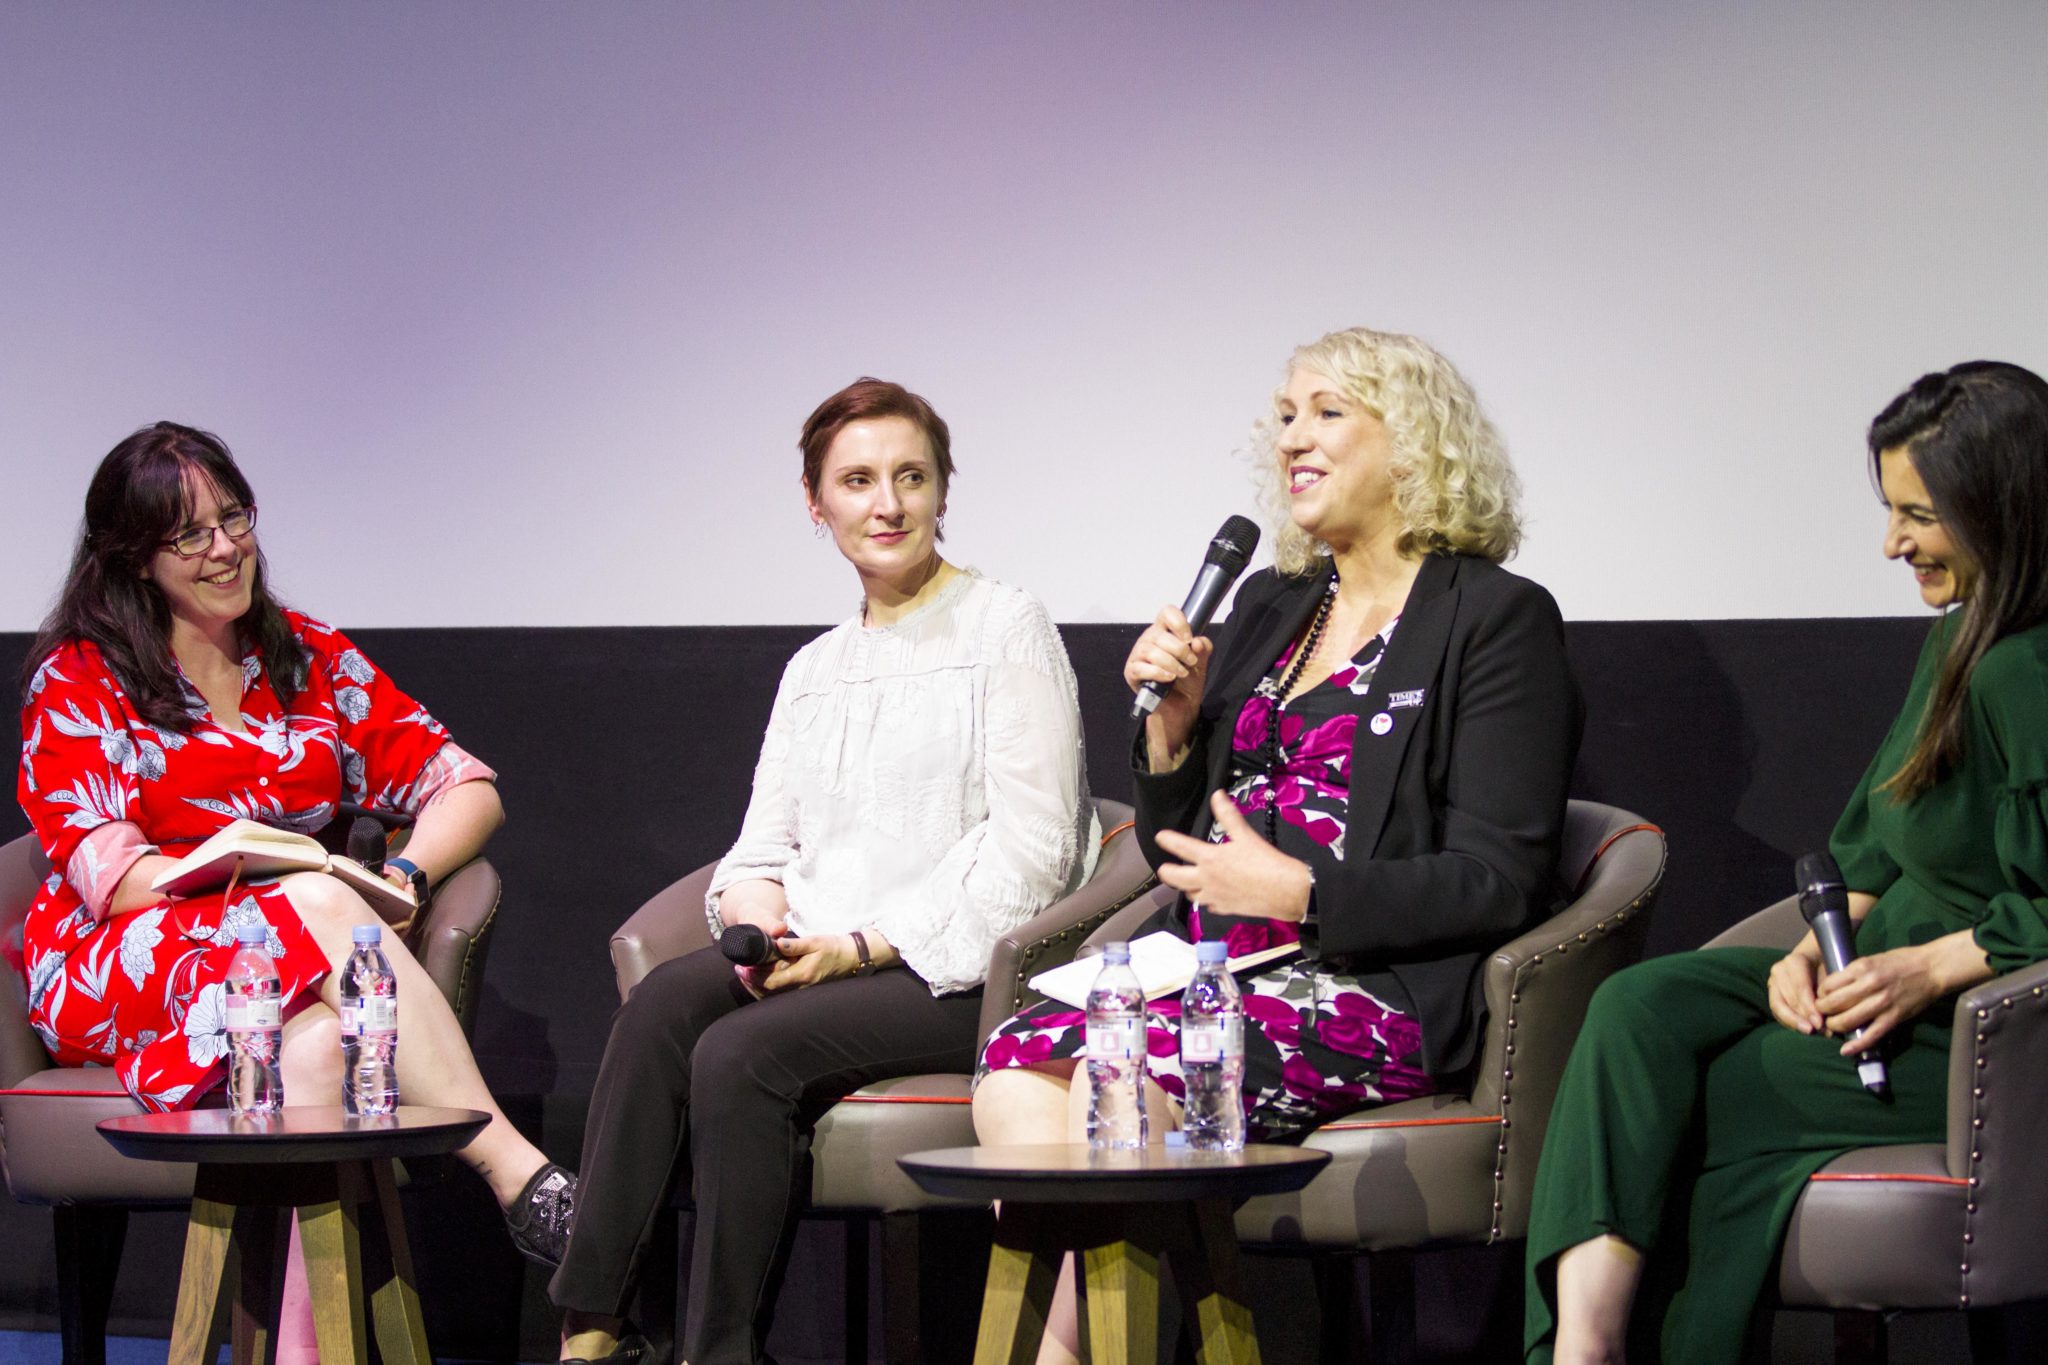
1202, 600
1838, 950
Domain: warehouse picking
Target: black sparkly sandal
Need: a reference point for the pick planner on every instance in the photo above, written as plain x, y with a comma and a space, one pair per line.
539, 1218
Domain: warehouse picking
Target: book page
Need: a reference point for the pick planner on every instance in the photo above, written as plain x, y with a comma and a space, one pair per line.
1164, 964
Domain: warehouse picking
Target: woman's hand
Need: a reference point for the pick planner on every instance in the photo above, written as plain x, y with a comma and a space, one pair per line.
398, 922
1247, 876
810, 960
762, 903
1791, 988
1171, 653
1882, 991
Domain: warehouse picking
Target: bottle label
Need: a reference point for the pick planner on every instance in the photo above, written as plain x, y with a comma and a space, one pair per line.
1119, 1039
348, 1018
246, 1013
1212, 1040
377, 1014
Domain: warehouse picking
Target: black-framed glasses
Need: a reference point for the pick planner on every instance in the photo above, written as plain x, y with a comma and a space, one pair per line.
195, 541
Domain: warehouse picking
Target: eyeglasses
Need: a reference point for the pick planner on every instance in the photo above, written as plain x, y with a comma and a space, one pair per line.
195, 541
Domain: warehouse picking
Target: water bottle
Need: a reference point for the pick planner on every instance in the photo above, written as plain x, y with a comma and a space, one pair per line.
255, 1025
1116, 1054
369, 1027
1212, 1054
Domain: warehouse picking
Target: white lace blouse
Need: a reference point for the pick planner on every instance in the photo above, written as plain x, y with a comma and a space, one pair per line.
926, 778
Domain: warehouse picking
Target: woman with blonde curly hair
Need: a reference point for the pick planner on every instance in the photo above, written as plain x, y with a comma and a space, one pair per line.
1369, 762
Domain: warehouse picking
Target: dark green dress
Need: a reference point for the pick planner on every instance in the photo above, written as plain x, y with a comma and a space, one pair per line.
1689, 1119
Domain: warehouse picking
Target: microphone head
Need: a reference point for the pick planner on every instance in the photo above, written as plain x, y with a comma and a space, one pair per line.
1235, 540
366, 842
1820, 886
746, 944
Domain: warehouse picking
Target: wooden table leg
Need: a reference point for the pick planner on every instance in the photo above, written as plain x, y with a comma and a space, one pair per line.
207, 1236
330, 1233
256, 1261
1120, 1264
394, 1297
1021, 1269
1202, 1253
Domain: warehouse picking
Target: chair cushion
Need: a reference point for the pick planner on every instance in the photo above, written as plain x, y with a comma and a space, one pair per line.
1407, 1175
54, 1155
854, 1151
1879, 1227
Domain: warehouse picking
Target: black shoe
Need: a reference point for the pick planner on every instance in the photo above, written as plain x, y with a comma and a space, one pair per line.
629, 1349
539, 1218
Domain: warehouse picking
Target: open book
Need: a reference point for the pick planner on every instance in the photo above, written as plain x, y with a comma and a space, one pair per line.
1164, 962
262, 851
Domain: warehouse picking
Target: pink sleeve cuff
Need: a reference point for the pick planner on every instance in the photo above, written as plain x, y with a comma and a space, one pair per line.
451, 766
101, 860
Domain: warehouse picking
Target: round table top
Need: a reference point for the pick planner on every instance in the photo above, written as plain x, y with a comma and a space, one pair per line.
1073, 1173
296, 1133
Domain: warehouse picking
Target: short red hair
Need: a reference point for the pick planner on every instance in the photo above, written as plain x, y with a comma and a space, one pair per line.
864, 400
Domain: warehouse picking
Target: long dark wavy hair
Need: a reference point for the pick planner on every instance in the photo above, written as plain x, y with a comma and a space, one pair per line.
1978, 437
138, 499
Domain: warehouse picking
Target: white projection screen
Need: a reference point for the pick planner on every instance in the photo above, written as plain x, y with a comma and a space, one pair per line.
512, 310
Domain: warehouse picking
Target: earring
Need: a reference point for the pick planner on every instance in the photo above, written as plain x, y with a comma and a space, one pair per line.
818, 529
941, 525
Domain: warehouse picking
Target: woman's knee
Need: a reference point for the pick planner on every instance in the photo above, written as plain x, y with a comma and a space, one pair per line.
311, 1057
326, 904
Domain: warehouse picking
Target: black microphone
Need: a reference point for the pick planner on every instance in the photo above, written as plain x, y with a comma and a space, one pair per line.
1233, 545
748, 945
1824, 901
366, 843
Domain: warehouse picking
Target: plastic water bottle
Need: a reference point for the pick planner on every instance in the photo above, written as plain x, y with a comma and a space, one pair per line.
1212, 1054
369, 1027
255, 1025
1116, 1054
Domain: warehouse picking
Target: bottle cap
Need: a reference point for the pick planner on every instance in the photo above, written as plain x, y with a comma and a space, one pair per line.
1116, 952
1212, 950
367, 933
253, 935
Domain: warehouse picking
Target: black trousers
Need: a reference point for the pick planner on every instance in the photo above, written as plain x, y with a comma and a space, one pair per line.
699, 1077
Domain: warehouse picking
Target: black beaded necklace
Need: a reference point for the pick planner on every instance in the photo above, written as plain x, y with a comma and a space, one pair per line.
1287, 681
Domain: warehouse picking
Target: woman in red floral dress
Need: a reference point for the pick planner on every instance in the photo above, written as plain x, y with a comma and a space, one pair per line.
169, 694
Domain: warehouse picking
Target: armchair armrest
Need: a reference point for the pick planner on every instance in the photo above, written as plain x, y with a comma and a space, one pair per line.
1054, 935
1778, 925
451, 937
669, 925
1997, 1110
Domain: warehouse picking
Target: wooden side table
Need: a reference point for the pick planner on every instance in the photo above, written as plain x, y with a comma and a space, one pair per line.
254, 1172
1123, 1214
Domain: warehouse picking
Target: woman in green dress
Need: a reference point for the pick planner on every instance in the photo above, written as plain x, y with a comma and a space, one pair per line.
1707, 1086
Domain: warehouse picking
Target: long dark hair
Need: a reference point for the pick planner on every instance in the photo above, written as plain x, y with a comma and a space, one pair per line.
1978, 438
138, 499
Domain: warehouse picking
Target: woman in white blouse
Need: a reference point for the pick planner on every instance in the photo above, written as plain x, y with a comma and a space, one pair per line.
920, 792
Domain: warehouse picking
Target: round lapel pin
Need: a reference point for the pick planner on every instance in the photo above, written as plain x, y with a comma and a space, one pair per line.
1382, 723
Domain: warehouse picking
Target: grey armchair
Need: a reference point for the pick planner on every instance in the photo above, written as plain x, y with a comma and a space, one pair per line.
855, 1144
1939, 1225
1457, 1169
49, 1149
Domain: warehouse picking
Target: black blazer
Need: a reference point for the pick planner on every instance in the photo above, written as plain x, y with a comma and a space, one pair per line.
1455, 812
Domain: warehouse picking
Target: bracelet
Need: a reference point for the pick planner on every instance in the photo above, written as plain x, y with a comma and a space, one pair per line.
416, 879
866, 966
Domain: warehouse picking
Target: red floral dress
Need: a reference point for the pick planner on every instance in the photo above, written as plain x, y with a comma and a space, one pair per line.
141, 991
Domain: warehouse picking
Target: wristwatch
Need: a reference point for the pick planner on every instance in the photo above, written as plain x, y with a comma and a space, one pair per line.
866, 966
421, 892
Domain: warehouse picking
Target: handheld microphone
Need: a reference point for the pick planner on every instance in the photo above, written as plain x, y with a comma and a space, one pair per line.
748, 945
1233, 545
1824, 901
366, 843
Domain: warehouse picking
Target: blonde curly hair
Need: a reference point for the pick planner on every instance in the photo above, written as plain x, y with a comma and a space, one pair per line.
1453, 486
